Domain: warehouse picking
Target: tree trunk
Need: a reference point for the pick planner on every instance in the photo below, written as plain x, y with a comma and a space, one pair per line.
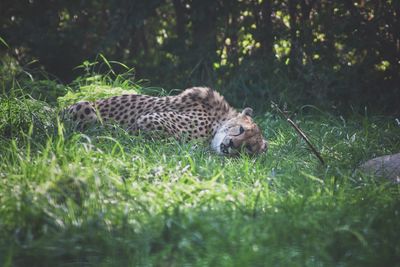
179, 7
204, 46
306, 38
267, 41
203, 25
294, 41
232, 29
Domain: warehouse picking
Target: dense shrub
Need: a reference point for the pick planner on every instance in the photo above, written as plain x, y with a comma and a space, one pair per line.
328, 53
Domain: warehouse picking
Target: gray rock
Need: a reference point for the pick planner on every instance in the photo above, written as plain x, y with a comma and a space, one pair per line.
385, 166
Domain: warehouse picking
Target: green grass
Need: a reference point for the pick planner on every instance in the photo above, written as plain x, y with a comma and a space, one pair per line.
106, 198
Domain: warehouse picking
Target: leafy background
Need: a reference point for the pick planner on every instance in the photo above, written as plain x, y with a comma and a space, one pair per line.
337, 54
103, 197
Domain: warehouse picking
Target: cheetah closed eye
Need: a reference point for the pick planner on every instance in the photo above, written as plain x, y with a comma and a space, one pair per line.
197, 112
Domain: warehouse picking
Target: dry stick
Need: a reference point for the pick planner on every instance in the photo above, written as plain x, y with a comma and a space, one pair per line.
300, 132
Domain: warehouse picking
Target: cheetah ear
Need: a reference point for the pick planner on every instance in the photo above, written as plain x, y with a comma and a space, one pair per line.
247, 111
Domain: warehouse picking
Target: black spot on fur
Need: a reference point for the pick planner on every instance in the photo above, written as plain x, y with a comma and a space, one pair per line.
87, 111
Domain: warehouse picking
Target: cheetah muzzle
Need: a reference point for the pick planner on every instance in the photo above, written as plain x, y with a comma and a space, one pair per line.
196, 113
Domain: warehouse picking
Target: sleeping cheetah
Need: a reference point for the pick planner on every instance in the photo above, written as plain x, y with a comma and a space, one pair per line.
197, 112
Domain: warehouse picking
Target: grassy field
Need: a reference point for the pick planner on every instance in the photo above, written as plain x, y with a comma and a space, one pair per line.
105, 198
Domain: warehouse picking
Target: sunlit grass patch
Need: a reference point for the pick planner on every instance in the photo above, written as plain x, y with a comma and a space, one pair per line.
92, 93
21, 114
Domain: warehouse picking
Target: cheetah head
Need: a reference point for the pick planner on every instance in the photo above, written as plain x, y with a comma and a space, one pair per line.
239, 134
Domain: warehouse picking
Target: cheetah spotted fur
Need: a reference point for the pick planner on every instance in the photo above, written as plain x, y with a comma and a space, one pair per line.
197, 112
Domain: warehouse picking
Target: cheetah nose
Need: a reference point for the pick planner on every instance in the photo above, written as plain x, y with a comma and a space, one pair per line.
264, 147
231, 144
224, 148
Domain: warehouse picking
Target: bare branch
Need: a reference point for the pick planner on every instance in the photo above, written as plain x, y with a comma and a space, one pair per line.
300, 132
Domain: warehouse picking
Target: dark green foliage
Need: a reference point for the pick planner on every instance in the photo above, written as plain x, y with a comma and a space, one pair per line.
331, 53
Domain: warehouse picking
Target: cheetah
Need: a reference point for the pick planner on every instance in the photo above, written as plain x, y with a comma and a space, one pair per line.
196, 113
